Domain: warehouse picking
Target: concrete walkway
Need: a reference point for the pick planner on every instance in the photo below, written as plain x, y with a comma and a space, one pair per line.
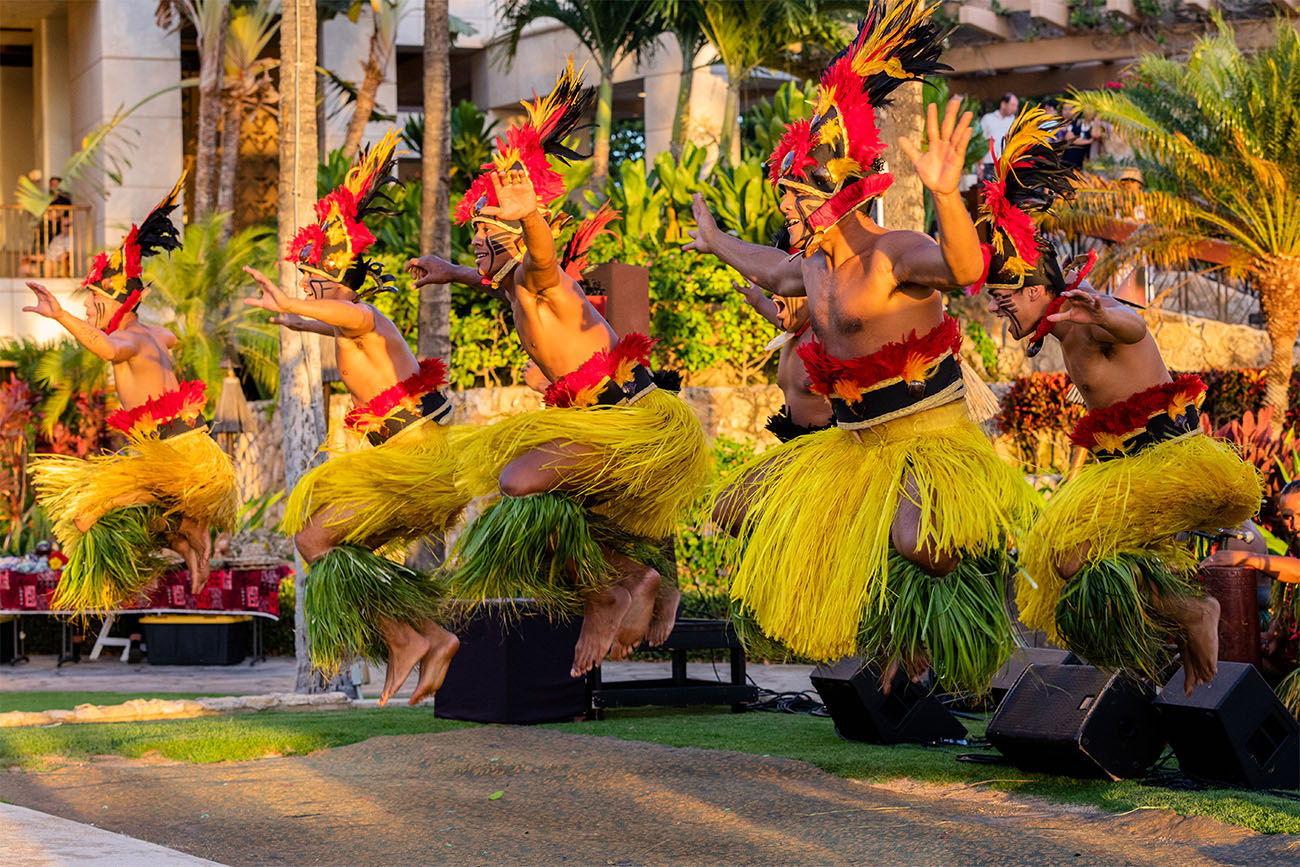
508, 795
276, 675
40, 840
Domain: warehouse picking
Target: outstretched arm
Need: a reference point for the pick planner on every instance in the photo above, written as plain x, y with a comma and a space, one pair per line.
956, 260
433, 269
756, 298
110, 347
1113, 323
1285, 569
769, 267
352, 318
517, 200
301, 323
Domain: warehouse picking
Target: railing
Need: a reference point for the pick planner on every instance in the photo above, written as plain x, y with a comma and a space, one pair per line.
56, 244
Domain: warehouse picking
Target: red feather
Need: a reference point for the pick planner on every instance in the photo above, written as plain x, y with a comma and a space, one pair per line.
1131, 414
1011, 221
850, 198
118, 315
575, 252
186, 401
131, 253
431, 376
97, 266
797, 139
311, 235
829, 375
578, 388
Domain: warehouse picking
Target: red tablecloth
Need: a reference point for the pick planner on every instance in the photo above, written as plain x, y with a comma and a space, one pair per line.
227, 590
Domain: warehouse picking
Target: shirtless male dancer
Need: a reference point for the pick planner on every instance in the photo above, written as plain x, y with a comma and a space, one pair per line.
884, 535
611, 463
155, 406
1103, 571
402, 488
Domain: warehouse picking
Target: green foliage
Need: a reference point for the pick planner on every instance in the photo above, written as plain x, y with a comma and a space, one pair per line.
471, 143
764, 124
198, 290
702, 550
67, 373
985, 346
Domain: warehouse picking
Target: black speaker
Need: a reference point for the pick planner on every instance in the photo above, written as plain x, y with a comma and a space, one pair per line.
1232, 730
1022, 658
850, 690
1078, 721
513, 667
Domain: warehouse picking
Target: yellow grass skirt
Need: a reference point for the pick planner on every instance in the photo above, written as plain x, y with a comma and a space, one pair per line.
1133, 507
186, 475
816, 563
398, 491
136, 498
648, 461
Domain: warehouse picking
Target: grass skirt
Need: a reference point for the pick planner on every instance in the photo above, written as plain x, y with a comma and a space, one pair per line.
547, 548
348, 591
817, 571
648, 460
1128, 512
399, 491
181, 476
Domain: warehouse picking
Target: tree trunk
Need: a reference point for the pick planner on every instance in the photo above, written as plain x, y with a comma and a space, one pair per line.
682, 119
302, 418
604, 125
322, 148
904, 203
375, 66
231, 126
1278, 278
212, 68
435, 162
729, 141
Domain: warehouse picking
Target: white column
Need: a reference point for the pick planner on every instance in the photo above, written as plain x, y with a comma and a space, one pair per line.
118, 55
54, 142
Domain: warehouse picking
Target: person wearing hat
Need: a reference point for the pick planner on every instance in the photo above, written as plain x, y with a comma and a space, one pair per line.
171, 484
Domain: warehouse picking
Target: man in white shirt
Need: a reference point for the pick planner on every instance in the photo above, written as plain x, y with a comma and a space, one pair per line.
995, 125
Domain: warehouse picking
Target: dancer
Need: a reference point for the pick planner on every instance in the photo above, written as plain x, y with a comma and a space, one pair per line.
399, 490
887, 534
590, 483
171, 484
1103, 570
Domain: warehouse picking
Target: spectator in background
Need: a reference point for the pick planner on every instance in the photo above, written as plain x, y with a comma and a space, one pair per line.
1079, 134
995, 125
60, 200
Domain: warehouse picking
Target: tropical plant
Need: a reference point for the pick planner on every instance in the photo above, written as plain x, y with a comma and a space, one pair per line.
763, 125
385, 15
472, 134
760, 33
1215, 136
197, 291
68, 373
610, 29
247, 88
210, 19
1273, 454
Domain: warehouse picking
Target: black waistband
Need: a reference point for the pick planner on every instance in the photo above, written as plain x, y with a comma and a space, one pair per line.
784, 428
614, 394
178, 426
433, 406
897, 397
1159, 428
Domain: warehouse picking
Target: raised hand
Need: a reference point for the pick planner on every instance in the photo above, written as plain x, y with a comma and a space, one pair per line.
941, 166
431, 269
272, 298
1081, 307
516, 198
748, 289
46, 304
702, 238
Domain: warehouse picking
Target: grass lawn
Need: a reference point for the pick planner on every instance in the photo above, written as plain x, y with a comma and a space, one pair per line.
39, 701
805, 738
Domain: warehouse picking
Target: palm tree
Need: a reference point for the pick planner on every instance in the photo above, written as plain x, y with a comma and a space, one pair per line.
197, 290
385, 15
435, 165
1215, 136
248, 88
611, 30
210, 19
302, 417
683, 19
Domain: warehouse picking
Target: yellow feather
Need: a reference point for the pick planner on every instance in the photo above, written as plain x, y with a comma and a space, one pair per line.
878, 52
1033, 126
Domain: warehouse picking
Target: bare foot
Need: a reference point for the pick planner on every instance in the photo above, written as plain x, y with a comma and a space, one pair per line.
1200, 622
197, 544
665, 616
915, 666
406, 647
601, 614
433, 665
643, 587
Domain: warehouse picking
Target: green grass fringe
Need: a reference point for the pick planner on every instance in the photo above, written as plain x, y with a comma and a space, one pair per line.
348, 591
958, 621
1289, 692
114, 561
1106, 616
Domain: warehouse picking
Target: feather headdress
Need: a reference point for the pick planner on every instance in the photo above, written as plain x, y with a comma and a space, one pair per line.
334, 246
833, 162
574, 258
116, 273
